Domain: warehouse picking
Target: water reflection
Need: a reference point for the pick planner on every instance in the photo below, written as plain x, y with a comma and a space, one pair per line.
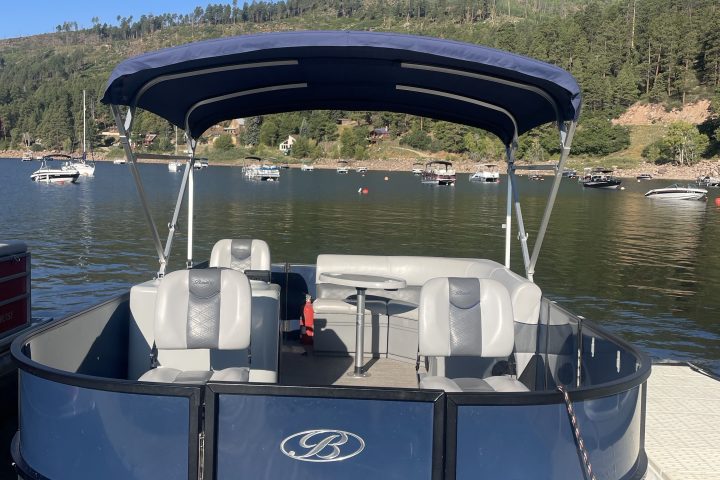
648, 270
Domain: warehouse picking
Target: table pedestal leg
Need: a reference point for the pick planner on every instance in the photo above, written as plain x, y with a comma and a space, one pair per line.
359, 336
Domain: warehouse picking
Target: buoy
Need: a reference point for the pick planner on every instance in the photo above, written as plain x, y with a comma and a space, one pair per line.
622, 188
386, 179
717, 201
308, 322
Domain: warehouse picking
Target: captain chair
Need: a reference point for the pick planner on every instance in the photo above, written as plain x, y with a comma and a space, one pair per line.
465, 317
241, 254
202, 309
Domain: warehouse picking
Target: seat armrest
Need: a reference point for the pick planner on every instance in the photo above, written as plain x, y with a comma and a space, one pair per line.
261, 275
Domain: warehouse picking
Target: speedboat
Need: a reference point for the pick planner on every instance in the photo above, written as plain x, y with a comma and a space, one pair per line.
644, 176
119, 161
307, 168
65, 173
600, 177
474, 372
342, 167
678, 192
200, 163
438, 172
361, 169
486, 173
417, 168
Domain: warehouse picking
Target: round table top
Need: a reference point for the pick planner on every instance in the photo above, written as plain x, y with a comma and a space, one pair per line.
363, 281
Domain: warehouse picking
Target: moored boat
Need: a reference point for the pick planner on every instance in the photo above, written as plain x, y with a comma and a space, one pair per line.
342, 167
486, 173
678, 192
181, 377
26, 157
600, 177
417, 168
438, 172
644, 176
82, 165
48, 173
307, 168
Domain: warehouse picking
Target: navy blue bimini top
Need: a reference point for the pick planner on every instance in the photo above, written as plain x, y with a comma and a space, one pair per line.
197, 85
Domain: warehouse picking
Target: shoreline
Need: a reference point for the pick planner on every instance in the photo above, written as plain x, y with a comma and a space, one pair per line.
663, 172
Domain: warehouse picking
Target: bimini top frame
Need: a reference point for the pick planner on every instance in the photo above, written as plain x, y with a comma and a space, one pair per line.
197, 85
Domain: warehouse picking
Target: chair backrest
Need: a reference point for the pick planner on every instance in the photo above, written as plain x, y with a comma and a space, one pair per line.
203, 308
241, 254
465, 317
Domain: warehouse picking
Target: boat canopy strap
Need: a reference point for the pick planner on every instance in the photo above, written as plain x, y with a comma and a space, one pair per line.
197, 85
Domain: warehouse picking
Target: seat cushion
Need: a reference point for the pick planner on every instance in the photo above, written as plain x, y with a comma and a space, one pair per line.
232, 374
489, 384
173, 375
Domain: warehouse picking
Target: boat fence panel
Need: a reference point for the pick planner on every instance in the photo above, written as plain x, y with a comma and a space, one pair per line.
75, 432
536, 441
304, 434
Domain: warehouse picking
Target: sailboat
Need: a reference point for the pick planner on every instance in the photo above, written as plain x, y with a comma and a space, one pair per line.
81, 164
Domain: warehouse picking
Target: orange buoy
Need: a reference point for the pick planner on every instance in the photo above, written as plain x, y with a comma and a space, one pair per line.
717, 201
308, 322
365, 191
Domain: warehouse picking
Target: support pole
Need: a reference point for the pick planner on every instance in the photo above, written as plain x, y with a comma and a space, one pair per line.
176, 214
566, 138
124, 129
508, 211
190, 166
518, 212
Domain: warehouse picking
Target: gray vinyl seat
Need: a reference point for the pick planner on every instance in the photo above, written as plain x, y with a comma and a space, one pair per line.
465, 317
202, 309
241, 254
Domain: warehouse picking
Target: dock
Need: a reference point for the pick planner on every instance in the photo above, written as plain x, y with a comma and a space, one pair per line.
682, 430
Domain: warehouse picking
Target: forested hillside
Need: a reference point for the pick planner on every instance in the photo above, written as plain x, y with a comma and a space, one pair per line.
621, 52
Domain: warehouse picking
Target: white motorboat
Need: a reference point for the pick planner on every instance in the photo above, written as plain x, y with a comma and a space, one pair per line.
174, 166
27, 157
47, 173
119, 161
678, 192
307, 168
417, 168
486, 173
438, 172
342, 167
361, 169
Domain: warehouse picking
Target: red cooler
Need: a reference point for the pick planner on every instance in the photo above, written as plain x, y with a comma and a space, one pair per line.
14, 286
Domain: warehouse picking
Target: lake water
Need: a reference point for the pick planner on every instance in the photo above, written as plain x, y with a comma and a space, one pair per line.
648, 270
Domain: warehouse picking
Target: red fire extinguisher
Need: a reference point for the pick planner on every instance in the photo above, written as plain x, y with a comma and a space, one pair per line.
308, 320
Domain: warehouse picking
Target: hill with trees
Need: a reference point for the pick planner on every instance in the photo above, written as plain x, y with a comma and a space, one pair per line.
621, 51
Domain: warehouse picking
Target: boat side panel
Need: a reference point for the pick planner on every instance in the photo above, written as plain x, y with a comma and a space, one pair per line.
93, 342
397, 438
73, 432
536, 441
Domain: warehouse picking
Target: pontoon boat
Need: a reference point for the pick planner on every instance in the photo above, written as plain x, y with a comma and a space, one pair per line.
307, 168
342, 167
486, 173
417, 168
600, 177
474, 374
438, 172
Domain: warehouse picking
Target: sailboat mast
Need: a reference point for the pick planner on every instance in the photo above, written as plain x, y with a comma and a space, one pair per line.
84, 127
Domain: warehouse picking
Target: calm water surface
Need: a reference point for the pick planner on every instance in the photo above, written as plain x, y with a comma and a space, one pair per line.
646, 269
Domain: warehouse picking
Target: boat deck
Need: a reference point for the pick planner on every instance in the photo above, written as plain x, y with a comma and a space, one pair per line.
300, 366
683, 424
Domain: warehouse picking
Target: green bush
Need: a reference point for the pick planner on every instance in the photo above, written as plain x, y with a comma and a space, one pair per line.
223, 142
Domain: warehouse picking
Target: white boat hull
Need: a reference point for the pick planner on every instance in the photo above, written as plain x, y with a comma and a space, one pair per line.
678, 194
